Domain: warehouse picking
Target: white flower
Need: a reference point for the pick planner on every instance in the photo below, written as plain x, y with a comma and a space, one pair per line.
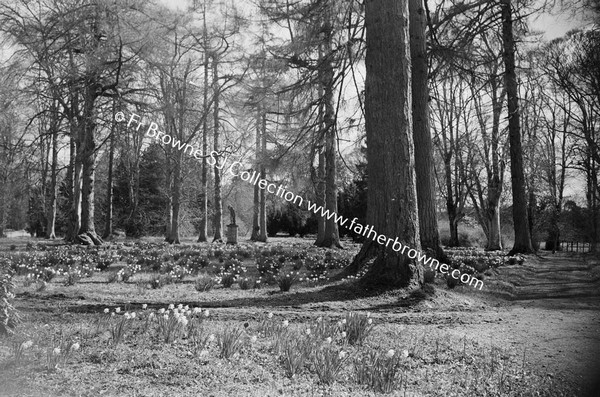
56, 351
75, 346
144, 306
151, 315
183, 321
206, 313
270, 315
127, 316
211, 337
344, 321
329, 340
26, 345
307, 331
118, 310
186, 308
166, 316
368, 314
390, 353
405, 353
161, 311
112, 314
339, 324
180, 306
344, 334
319, 319
132, 314
369, 321
285, 323
171, 306
253, 339
341, 354
106, 311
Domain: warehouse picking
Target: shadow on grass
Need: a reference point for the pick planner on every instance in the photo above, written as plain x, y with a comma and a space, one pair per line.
342, 292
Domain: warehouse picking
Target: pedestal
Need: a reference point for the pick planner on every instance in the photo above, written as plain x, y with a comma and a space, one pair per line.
232, 234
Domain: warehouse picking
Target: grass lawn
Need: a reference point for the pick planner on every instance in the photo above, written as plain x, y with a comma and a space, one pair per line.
321, 338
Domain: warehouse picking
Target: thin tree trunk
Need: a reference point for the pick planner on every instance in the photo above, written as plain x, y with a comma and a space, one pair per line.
331, 236
320, 196
218, 216
522, 237
204, 184
176, 203
428, 223
263, 174
392, 206
108, 226
51, 216
256, 207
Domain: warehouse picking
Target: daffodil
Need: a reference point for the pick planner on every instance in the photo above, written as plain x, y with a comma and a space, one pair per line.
329, 340
270, 315
144, 306
56, 351
75, 346
285, 323
344, 334
106, 311
118, 310
390, 353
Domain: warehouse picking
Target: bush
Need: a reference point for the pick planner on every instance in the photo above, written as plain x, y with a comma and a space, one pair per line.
9, 316
247, 283
285, 281
227, 280
204, 283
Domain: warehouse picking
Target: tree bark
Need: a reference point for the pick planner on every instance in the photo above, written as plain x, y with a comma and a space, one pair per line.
51, 215
87, 231
428, 223
522, 236
392, 204
263, 174
218, 216
108, 226
256, 207
331, 236
205, 107
176, 202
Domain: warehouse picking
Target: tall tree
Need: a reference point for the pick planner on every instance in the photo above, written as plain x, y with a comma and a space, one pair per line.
426, 198
392, 206
520, 218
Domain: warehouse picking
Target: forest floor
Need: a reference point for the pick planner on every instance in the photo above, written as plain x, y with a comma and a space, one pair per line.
544, 314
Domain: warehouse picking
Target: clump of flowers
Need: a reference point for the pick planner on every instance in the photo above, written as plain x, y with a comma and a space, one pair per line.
205, 283
356, 327
285, 281
379, 372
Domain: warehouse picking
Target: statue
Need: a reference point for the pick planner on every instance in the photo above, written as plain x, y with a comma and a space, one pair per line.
231, 215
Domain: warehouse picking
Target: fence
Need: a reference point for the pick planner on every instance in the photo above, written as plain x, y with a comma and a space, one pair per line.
575, 246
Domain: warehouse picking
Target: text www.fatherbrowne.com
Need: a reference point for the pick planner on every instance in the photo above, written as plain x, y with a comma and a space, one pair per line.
235, 169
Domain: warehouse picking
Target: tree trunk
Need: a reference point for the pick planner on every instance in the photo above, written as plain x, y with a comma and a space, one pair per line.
51, 216
494, 236
522, 237
331, 236
87, 231
176, 202
428, 223
263, 174
205, 107
218, 216
392, 204
108, 226
256, 207
75, 185
320, 196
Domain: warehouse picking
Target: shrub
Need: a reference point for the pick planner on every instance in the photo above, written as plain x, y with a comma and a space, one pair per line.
9, 316
286, 281
204, 283
227, 280
247, 283
451, 282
